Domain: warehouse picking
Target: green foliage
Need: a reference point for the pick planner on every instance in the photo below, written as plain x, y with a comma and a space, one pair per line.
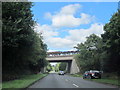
23, 49
77, 75
23, 82
62, 66
89, 55
49, 67
111, 39
57, 67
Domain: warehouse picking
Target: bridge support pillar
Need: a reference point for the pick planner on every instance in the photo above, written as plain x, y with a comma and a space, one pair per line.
74, 67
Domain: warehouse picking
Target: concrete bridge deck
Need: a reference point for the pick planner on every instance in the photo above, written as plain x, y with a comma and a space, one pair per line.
59, 58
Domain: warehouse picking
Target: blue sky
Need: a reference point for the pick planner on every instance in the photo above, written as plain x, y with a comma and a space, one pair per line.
64, 24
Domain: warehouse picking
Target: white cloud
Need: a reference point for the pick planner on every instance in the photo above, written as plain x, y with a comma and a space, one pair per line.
70, 20
70, 9
46, 30
66, 17
79, 35
57, 42
50, 37
75, 36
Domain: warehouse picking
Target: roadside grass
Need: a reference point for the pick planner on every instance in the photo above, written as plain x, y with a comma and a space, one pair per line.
107, 81
106, 78
76, 75
23, 82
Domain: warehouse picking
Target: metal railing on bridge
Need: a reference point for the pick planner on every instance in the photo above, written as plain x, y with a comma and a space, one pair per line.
61, 53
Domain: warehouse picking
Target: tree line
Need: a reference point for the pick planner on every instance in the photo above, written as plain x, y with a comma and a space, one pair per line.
23, 51
58, 67
101, 53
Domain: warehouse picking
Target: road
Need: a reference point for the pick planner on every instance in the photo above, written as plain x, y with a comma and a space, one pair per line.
65, 81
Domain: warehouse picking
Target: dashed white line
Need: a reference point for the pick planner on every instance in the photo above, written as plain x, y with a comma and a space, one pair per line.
75, 85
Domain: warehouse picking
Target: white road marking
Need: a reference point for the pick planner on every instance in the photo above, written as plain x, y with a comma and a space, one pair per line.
75, 85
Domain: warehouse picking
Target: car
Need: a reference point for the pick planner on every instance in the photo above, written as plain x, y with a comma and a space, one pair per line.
86, 74
61, 73
92, 74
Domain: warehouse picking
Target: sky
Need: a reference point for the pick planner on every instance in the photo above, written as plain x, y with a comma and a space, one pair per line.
65, 24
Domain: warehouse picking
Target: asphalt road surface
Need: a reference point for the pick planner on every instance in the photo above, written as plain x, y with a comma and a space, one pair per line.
65, 81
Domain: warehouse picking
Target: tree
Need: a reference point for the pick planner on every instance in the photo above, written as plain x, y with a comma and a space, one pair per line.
49, 67
57, 67
102, 53
62, 66
89, 53
111, 39
23, 49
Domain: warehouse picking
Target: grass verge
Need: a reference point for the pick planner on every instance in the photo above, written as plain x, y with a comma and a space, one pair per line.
23, 82
76, 75
109, 80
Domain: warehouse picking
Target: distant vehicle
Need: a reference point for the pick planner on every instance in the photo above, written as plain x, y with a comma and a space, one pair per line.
92, 74
61, 73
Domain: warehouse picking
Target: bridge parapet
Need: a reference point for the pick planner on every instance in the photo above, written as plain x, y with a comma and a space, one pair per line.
61, 53
59, 56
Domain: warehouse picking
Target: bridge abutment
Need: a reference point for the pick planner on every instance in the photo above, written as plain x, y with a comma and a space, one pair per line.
74, 68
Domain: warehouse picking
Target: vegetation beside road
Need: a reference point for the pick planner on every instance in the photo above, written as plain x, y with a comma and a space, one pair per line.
107, 81
107, 78
76, 75
23, 82
23, 49
102, 52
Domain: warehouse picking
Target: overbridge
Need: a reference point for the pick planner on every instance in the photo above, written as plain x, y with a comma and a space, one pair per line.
66, 56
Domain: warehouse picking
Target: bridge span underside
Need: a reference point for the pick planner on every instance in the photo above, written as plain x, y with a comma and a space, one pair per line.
71, 68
